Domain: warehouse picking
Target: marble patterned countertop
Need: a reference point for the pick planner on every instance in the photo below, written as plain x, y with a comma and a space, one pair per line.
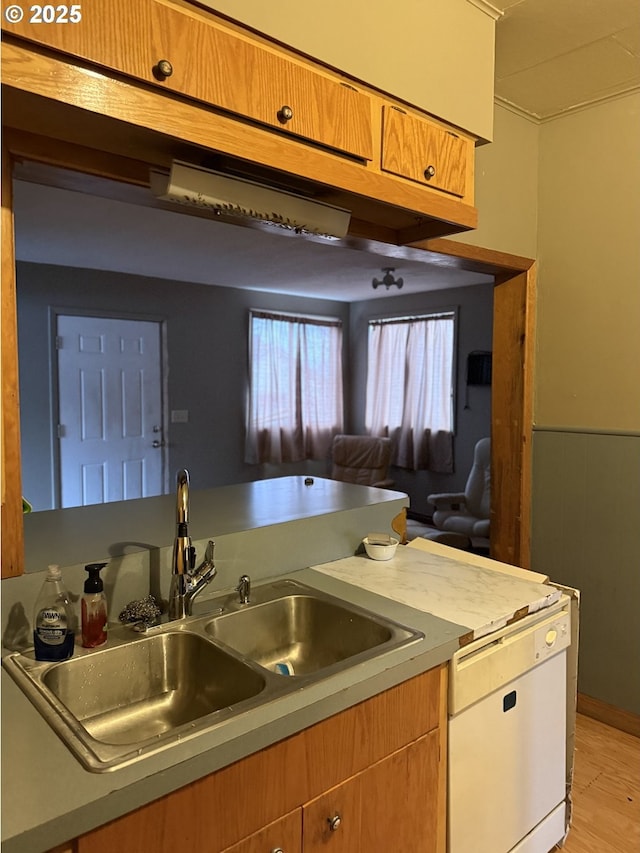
473, 591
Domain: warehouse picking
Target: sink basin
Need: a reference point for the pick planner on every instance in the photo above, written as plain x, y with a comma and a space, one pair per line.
143, 693
303, 632
114, 705
144, 689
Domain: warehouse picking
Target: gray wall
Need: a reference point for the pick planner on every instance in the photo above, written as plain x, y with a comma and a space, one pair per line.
472, 411
206, 332
586, 466
586, 494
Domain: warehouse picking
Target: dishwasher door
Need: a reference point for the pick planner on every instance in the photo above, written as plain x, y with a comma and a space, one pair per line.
507, 739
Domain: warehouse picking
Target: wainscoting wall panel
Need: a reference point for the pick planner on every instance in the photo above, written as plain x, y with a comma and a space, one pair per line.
586, 534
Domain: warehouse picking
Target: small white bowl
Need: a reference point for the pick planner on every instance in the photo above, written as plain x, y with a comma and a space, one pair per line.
380, 546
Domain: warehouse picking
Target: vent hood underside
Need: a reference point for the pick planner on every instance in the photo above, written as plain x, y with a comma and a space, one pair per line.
238, 197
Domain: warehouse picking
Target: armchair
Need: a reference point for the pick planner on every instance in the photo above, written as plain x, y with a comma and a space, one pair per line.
467, 512
361, 459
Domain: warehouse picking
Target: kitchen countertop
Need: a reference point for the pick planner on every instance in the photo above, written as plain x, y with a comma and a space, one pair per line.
48, 798
485, 596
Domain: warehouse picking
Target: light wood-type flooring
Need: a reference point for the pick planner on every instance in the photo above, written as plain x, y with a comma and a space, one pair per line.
606, 790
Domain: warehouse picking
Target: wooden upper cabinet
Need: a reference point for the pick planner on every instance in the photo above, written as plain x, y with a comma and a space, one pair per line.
192, 54
422, 151
111, 33
220, 67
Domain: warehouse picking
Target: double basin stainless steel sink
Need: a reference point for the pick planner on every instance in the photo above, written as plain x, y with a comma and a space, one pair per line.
143, 693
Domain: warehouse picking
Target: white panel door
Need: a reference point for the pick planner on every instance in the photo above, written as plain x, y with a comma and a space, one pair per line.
110, 409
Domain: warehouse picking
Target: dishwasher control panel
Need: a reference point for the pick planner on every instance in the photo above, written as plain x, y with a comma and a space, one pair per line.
493, 661
553, 637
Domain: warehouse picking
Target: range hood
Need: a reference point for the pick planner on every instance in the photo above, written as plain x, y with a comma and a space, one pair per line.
231, 196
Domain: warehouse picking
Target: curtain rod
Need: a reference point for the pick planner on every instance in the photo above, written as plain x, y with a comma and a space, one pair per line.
440, 315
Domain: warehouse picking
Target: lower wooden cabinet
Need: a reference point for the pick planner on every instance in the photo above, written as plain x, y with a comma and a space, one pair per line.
333, 820
281, 836
400, 800
390, 806
367, 780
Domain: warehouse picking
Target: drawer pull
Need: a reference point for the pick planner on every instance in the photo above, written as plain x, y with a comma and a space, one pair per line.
334, 822
429, 172
162, 69
285, 114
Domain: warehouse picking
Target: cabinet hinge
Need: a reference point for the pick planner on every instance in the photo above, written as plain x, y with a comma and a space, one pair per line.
451, 133
59, 342
398, 110
348, 86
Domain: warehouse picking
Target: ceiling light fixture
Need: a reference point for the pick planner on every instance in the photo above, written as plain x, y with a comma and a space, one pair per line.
387, 279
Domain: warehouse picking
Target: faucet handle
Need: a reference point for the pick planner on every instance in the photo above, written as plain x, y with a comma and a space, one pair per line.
244, 588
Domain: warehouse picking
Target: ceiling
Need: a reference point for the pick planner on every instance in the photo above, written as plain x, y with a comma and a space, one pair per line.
551, 56
555, 55
59, 226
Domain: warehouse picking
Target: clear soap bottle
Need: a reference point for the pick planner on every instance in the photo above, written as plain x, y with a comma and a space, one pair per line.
94, 608
53, 620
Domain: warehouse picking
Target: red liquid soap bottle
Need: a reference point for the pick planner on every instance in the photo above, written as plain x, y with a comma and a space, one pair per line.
94, 608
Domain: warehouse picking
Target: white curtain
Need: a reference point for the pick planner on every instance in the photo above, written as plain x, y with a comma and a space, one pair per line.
410, 389
295, 404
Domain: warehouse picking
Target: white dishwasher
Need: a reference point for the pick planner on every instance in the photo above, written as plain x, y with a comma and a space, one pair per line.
507, 737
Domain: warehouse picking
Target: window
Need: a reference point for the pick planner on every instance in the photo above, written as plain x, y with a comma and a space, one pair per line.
295, 387
409, 393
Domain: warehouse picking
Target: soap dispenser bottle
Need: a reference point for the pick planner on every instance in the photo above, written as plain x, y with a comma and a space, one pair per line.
94, 608
53, 619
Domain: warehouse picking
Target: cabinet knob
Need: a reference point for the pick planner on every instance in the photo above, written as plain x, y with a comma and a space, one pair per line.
285, 114
162, 69
334, 822
277, 850
429, 172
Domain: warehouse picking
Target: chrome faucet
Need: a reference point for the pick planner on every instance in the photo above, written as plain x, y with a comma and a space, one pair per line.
186, 580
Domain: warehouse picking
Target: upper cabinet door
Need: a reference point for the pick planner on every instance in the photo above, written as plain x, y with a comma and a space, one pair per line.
110, 33
191, 53
224, 68
418, 149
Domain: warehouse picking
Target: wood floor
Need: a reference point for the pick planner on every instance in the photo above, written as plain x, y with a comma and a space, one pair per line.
606, 790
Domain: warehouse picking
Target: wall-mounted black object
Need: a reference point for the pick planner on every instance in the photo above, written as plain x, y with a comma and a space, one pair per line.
479, 368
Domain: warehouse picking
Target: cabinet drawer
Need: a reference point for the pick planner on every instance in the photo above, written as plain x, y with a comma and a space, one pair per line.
214, 65
422, 151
